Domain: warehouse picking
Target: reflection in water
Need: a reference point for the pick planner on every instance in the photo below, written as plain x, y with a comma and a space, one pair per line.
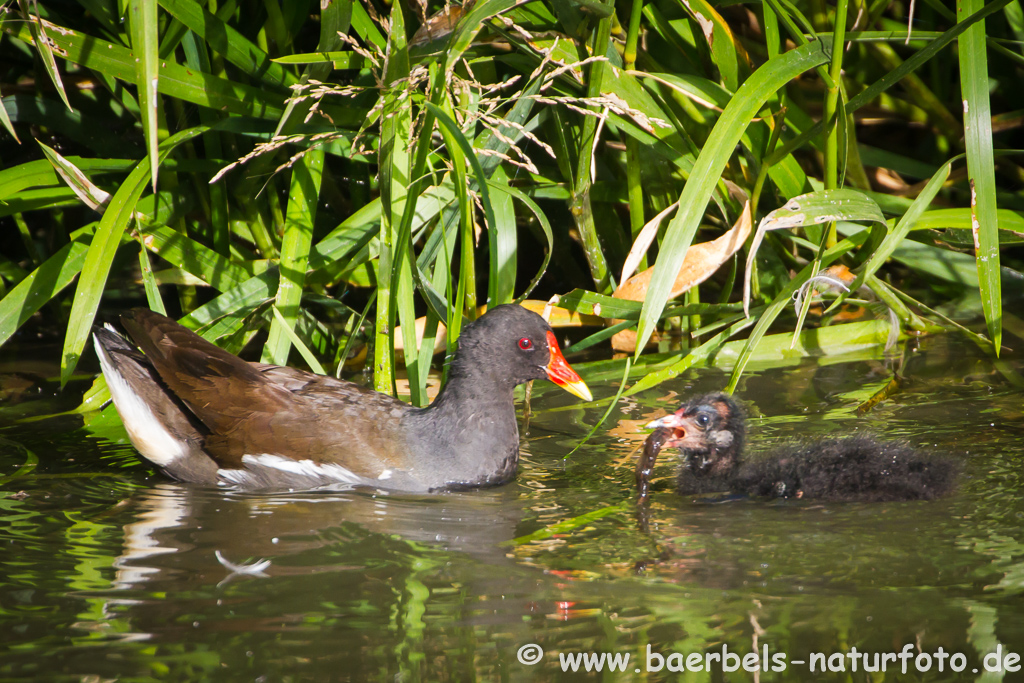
353, 565
161, 508
105, 574
177, 518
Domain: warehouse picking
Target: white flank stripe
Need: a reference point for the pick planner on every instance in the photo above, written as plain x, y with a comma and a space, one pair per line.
329, 473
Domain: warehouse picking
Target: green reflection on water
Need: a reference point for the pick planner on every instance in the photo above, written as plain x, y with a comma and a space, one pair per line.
114, 576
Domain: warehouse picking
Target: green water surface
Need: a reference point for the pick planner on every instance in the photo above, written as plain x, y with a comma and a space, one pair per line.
108, 571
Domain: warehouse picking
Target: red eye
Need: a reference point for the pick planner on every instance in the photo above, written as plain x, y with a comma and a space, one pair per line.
526, 343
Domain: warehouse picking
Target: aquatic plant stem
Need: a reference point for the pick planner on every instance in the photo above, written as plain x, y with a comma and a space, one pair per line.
634, 191
833, 111
580, 207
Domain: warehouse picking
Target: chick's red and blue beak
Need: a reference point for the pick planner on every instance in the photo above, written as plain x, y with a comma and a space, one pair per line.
668, 422
678, 425
562, 374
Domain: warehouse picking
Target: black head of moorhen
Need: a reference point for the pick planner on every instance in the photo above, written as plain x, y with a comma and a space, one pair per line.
710, 432
204, 415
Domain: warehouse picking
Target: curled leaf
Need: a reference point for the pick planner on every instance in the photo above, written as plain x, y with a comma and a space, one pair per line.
811, 209
701, 262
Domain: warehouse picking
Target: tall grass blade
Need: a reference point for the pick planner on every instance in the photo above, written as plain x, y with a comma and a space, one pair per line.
44, 283
974, 86
452, 132
782, 300
175, 80
545, 227
750, 97
228, 42
394, 182
91, 196
145, 44
895, 236
303, 195
156, 303
118, 214
697, 355
503, 244
470, 25
42, 37
5, 119
288, 328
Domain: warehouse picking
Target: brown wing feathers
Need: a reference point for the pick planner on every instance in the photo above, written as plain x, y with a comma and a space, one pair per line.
251, 408
218, 387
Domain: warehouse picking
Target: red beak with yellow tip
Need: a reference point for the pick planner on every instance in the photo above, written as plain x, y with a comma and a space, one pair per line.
562, 374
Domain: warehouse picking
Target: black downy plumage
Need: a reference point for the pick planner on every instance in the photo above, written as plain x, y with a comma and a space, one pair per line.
710, 432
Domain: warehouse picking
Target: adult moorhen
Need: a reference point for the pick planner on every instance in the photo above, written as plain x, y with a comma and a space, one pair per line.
710, 431
204, 415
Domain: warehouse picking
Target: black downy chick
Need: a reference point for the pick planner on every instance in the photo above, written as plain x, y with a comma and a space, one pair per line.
710, 432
